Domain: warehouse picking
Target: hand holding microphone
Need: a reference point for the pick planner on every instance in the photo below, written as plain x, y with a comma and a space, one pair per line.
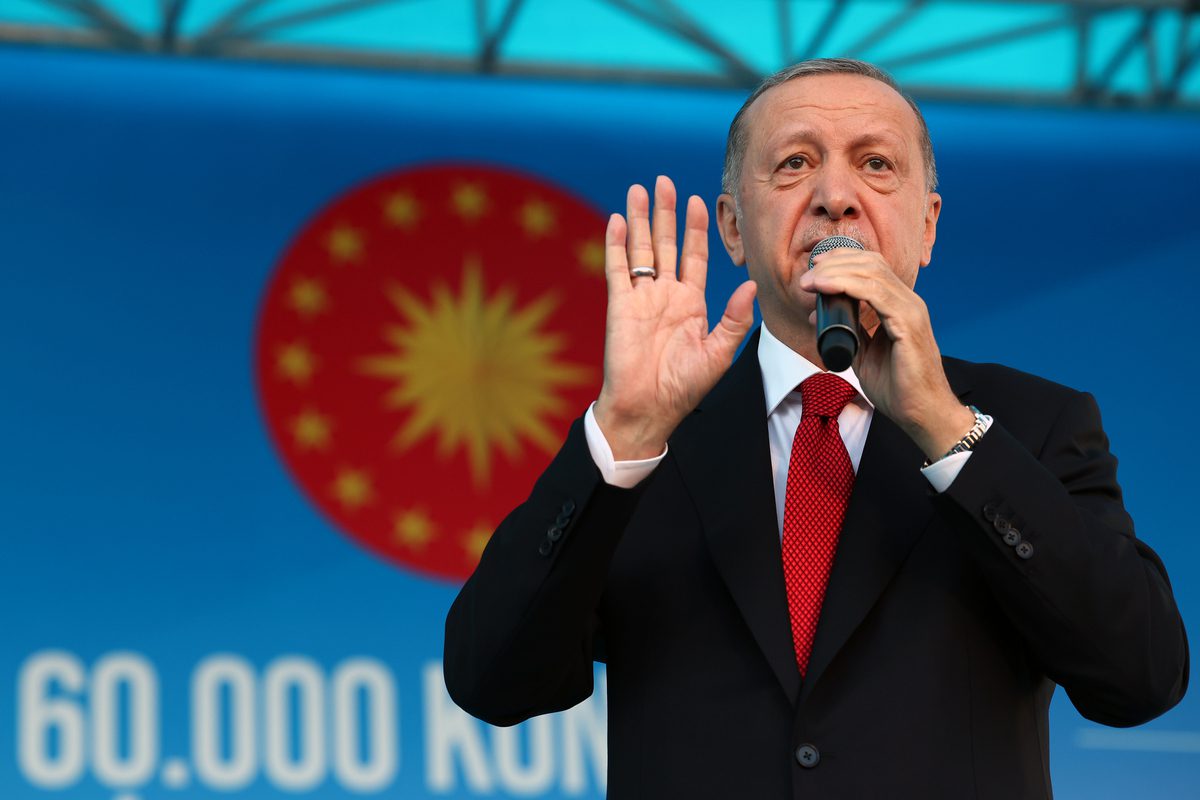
837, 315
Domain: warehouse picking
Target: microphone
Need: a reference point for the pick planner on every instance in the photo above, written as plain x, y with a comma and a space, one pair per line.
837, 314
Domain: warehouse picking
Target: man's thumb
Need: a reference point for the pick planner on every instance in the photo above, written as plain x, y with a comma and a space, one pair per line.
737, 319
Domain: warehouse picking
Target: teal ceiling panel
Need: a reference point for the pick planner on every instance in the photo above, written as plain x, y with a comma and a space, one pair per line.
1085, 52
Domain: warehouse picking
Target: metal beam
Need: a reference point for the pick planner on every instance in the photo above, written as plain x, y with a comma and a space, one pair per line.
1182, 69
1083, 51
172, 12
823, 30
1183, 59
975, 43
225, 27
104, 21
739, 71
309, 15
489, 53
694, 32
783, 11
1150, 46
885, 29
1102, 83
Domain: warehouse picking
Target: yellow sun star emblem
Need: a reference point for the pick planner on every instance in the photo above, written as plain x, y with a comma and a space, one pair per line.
311, 431
307, 297
470, 201
475, 541
344, 244
402, 210
591, 257
536, 218
296, 362
353, 488
413, 528
476, 370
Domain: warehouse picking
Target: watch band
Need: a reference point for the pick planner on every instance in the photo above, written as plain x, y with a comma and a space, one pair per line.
966, 442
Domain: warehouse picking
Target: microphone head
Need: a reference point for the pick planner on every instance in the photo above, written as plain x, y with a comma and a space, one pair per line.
832, 243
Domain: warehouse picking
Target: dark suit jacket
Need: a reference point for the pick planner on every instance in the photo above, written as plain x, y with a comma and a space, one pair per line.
939, 643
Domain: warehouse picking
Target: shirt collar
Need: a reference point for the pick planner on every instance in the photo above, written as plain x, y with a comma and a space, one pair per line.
783, 370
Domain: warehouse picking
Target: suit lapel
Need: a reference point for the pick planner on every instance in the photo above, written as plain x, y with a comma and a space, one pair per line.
889, 509
724, 457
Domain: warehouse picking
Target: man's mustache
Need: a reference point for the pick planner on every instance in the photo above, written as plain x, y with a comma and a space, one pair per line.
818, 231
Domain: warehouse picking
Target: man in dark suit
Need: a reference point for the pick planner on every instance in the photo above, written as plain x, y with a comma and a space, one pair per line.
869, 596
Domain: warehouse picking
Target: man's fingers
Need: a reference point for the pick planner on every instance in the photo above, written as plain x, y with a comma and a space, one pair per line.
616, 265
851, 274
881, 291
637, 244
693, 264
665, 247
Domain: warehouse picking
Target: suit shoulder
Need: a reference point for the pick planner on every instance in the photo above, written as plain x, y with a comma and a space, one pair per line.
1029, 406
992, 379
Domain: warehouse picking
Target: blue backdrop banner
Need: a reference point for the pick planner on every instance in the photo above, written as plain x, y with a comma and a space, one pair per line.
282, 345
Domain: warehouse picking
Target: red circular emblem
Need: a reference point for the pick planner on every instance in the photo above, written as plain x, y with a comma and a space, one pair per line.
422, 348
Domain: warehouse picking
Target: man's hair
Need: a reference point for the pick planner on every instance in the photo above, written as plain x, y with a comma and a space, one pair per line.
735, 145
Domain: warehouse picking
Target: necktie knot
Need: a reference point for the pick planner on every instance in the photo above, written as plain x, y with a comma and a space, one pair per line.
825, 395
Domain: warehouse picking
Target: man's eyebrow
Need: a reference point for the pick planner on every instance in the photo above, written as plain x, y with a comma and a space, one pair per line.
793, 135
871, 138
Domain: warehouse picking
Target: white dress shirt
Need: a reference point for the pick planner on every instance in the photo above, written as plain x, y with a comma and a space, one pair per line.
783, 370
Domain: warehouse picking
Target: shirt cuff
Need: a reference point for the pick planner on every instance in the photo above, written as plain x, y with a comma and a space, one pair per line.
622, 474
942, 472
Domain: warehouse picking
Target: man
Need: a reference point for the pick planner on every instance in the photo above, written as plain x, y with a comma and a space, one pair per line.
872, 599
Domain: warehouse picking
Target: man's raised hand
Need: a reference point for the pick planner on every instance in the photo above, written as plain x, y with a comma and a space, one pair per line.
660, 359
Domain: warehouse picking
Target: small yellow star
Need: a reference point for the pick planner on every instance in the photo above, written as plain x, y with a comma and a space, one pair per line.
591, 257
311, 431
353, 488
413, 529
537, 218
475, 540
470, 202
307, 297
402, 210
296, 363
344, 244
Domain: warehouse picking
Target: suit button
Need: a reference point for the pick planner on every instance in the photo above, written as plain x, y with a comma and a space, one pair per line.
1025, 550
562, 520
1012, 537
554, 533
807, 756
545, 547
989, 512
1001, 525
568, 507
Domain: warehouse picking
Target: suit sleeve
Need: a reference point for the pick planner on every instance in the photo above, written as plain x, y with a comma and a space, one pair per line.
1057, 549
522, 634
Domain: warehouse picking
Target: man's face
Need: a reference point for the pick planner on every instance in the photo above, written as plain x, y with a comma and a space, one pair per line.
827, 155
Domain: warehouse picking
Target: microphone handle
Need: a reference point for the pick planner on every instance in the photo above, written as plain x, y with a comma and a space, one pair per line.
837, 330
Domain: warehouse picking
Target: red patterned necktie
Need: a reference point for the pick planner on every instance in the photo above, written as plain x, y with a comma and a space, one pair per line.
819, 481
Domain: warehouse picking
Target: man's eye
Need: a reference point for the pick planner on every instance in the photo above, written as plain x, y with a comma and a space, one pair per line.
796, 162
877, 164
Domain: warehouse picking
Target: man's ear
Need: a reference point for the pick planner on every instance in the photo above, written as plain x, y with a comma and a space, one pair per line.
728, 225
933, 209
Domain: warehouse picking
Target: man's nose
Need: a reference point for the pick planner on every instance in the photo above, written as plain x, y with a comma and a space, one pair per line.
834, 193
